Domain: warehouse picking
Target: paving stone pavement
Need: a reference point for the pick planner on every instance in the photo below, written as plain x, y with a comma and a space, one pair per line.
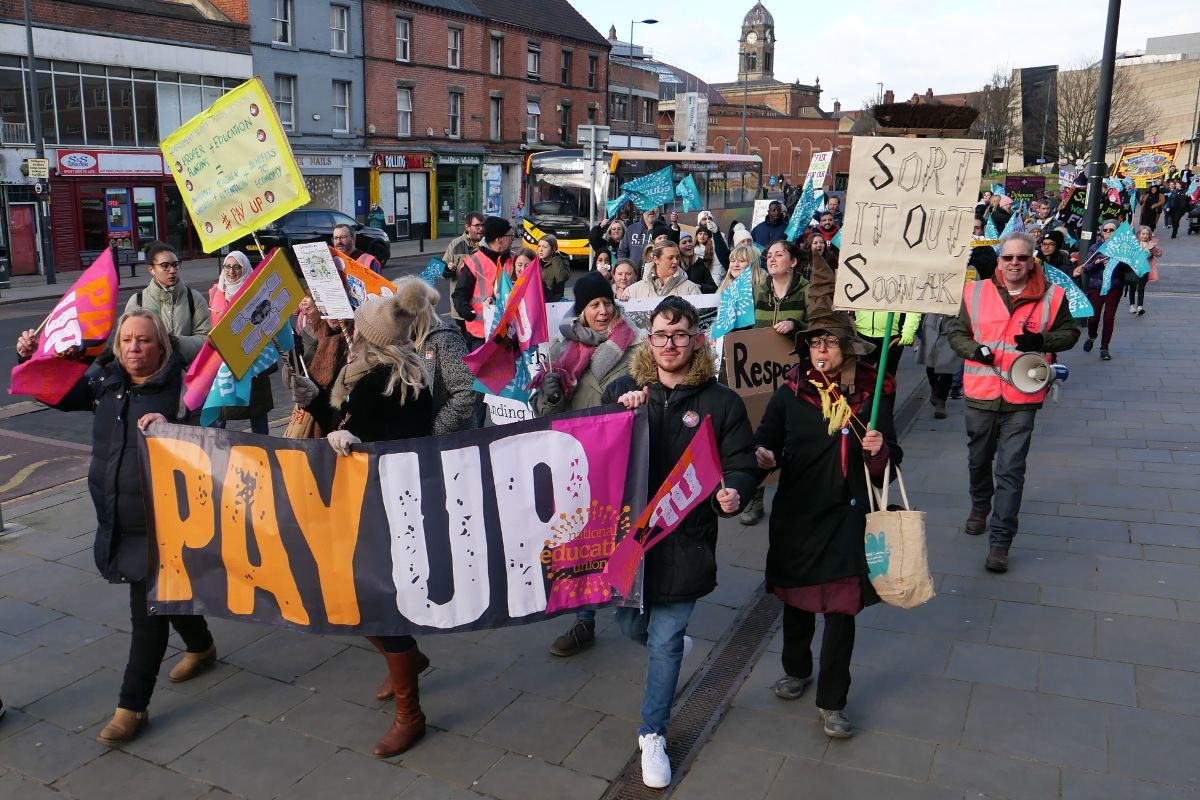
1074, 676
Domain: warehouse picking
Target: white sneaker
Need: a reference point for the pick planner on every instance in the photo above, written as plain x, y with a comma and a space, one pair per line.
688, 644
656, 767
1133, 309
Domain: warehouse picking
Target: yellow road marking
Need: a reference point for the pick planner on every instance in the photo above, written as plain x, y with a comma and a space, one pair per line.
19, 478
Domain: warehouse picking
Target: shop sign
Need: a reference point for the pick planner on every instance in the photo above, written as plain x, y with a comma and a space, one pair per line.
102, 162
314, 161
420, 161
461, 160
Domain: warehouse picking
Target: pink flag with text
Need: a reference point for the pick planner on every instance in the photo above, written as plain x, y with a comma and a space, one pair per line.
72, 336
521, 326
198, 380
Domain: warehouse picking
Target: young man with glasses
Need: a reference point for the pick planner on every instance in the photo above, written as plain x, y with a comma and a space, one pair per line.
674, 376
461, 246
1017, 311
184, 311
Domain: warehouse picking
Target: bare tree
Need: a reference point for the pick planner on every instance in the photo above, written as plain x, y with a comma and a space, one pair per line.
1078, 89
998, 123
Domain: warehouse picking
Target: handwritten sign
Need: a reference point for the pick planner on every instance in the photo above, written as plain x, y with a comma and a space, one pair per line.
258, 314
909, 216
361, 283
324, 280
818, 168
234, 166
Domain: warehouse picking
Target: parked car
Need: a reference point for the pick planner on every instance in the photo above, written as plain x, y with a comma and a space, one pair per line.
312, 225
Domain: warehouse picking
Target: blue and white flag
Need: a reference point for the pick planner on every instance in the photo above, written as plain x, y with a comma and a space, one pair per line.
802, 212
651, 191
736, 309
1077, 300
229, 391
1123, 247
687, 189
836, 241
613, 206
435, 270
990, 232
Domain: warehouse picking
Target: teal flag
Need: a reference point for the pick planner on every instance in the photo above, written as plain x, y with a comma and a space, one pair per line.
990, 232
836, 241
1077, 300
736, 309
802, 212
1123, 247
651, 191
686, 189
613, 206
435, 270
229, 391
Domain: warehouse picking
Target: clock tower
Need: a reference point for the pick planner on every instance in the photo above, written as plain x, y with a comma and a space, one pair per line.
756, 52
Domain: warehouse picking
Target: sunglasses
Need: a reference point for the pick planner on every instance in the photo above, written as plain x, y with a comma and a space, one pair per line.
1018, 259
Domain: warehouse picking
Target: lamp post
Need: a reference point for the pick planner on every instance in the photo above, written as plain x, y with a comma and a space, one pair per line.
1096, 169
39, 143
629, 110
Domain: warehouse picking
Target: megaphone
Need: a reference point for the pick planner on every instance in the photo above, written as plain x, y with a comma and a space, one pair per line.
1032, 372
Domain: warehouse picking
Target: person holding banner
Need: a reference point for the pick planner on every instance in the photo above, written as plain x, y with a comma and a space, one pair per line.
606, 238
139, 380
741, 258
1095, 268
184, 311
344, 241
476, 282
441, 350
637, 235
235, 271
1018, 311
674, 376
710, 248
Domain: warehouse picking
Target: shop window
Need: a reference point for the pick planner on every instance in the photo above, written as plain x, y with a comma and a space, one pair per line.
283, 14
339, 24
285, 101
455, 129
404, 112
403, 38
341, 106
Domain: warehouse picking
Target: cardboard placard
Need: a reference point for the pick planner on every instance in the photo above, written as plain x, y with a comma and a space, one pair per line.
362, 284
753, 364
258, 314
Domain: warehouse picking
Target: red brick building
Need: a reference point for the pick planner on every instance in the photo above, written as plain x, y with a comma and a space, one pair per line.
459, 91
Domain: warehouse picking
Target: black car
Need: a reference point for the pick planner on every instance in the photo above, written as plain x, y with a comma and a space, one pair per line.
313, 225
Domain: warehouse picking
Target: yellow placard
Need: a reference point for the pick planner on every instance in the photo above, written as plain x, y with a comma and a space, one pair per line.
258, 314
234, 166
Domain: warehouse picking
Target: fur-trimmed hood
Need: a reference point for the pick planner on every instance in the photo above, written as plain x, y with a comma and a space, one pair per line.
645, 372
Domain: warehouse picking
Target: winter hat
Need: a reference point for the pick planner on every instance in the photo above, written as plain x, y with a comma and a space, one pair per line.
1005, 201
589, 287
494, 228
661, 229
823, 319
388, 320
684, 235
740, 234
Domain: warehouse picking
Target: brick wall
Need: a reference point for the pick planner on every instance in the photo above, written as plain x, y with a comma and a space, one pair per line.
103, 19
428, 69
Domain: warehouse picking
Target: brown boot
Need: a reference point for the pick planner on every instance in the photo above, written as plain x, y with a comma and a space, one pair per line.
939, 409
977, 521
997, 559
192, 665
409, 723
384, 692
124, 727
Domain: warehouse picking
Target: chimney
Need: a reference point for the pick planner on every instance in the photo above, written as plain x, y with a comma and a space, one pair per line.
612, 33
889, 97
929, 92
837, 107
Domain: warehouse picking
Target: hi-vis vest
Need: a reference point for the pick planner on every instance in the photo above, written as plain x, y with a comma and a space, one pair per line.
485, 272
995, 327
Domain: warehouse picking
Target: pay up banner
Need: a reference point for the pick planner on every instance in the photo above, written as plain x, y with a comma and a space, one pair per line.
469, 531
234, 166
909, 215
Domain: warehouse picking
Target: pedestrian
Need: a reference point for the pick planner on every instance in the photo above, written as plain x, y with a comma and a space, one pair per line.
740, 235
556, 267
1052, 250
773, 228
376, 219
674, 376
637, 235
812, 245
477, 277
697, 271
460, 247
606, 238
665, 277
740, 258
815, 431
1176, 207
383, 395
234, 273
1017, 311
603, 264
833, 206
521, 259
596, 351
624, 276
984, 206
871, 325
1152, 204
938, 357
184, 311
1137, 283
710, 245
828, 228
136, 381
1002, 211
1094, 268
344, 241
441, 348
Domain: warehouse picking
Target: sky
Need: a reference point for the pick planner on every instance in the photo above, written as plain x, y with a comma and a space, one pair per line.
949, 46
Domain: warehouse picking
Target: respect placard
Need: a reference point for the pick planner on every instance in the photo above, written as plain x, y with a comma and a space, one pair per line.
909, 214
234, 166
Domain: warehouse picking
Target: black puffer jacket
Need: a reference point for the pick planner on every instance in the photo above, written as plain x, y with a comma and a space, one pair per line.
371, 415
115, 477
683, 566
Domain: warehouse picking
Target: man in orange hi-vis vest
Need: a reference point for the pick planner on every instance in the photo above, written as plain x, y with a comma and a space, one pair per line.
1017, 311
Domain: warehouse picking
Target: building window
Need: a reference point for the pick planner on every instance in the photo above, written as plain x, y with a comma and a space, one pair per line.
455, 115
341, 106
534, 67
591, 116
532, 112
497, 55
751, 62
403, 36
339, 24
454, 50
404, 112
566, 69
285, 101
647, 112
497, 116
593, 64
283, 12
564, 125
620, 107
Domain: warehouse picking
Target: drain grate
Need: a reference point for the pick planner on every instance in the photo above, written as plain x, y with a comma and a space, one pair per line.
706, 697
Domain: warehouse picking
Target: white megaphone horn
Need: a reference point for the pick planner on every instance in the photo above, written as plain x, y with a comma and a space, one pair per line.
1032, 372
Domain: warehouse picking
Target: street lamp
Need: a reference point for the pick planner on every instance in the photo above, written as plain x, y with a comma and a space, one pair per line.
629, 110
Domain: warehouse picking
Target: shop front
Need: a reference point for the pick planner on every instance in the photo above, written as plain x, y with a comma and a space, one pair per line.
458, 184
403, 193
502, 185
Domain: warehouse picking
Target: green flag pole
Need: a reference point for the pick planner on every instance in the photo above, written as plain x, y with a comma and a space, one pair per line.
887, 337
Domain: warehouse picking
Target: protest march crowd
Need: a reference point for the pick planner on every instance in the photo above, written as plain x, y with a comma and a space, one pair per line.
395, 370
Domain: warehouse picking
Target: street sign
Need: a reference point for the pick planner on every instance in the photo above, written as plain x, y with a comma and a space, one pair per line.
39, 168
37, 188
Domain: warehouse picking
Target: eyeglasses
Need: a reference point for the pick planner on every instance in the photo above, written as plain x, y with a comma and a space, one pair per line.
677, 339
1022, 259
233, 266
168, 265
830, 342
1108, 230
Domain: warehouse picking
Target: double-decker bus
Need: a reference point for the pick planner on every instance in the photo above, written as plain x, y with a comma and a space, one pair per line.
558, 189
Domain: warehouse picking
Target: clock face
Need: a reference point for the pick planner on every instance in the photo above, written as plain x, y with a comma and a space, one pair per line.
751, 37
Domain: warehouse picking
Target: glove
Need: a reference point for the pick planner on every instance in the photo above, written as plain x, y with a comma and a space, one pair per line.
304, 391
981, 358
711, 225
341, 442
1030, 341
552, 388
906, 339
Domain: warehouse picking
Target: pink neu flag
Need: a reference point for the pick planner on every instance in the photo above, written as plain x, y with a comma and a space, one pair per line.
691, 482
521, 326
72, 336
198, 380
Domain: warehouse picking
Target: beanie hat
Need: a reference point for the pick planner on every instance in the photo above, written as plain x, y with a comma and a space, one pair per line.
740, 234
661, 229
684, 235
388, 320
1057, 237
1005, 201
589, 287
494, 228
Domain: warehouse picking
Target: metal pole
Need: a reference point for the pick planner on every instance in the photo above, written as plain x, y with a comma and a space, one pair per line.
887, 337
1096, 168
629, 111
40, 149
745, 145
1195, 128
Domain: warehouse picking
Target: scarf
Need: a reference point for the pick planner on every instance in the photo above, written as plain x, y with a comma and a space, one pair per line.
586, 349
346, 380
230, 288
330, 356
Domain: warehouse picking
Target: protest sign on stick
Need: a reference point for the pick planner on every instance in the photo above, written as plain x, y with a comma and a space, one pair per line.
324, 280
258, 313
818, 168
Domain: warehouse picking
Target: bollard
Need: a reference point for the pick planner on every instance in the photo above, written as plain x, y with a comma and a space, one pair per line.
422, 241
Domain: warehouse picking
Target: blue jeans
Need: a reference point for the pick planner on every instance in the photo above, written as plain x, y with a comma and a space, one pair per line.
660, 628
586, 616
258, 425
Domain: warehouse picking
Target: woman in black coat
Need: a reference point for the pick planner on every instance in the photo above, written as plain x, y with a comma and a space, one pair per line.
607, 236
142, 384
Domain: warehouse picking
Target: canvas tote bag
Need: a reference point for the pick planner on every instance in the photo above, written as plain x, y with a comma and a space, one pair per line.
896, 553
